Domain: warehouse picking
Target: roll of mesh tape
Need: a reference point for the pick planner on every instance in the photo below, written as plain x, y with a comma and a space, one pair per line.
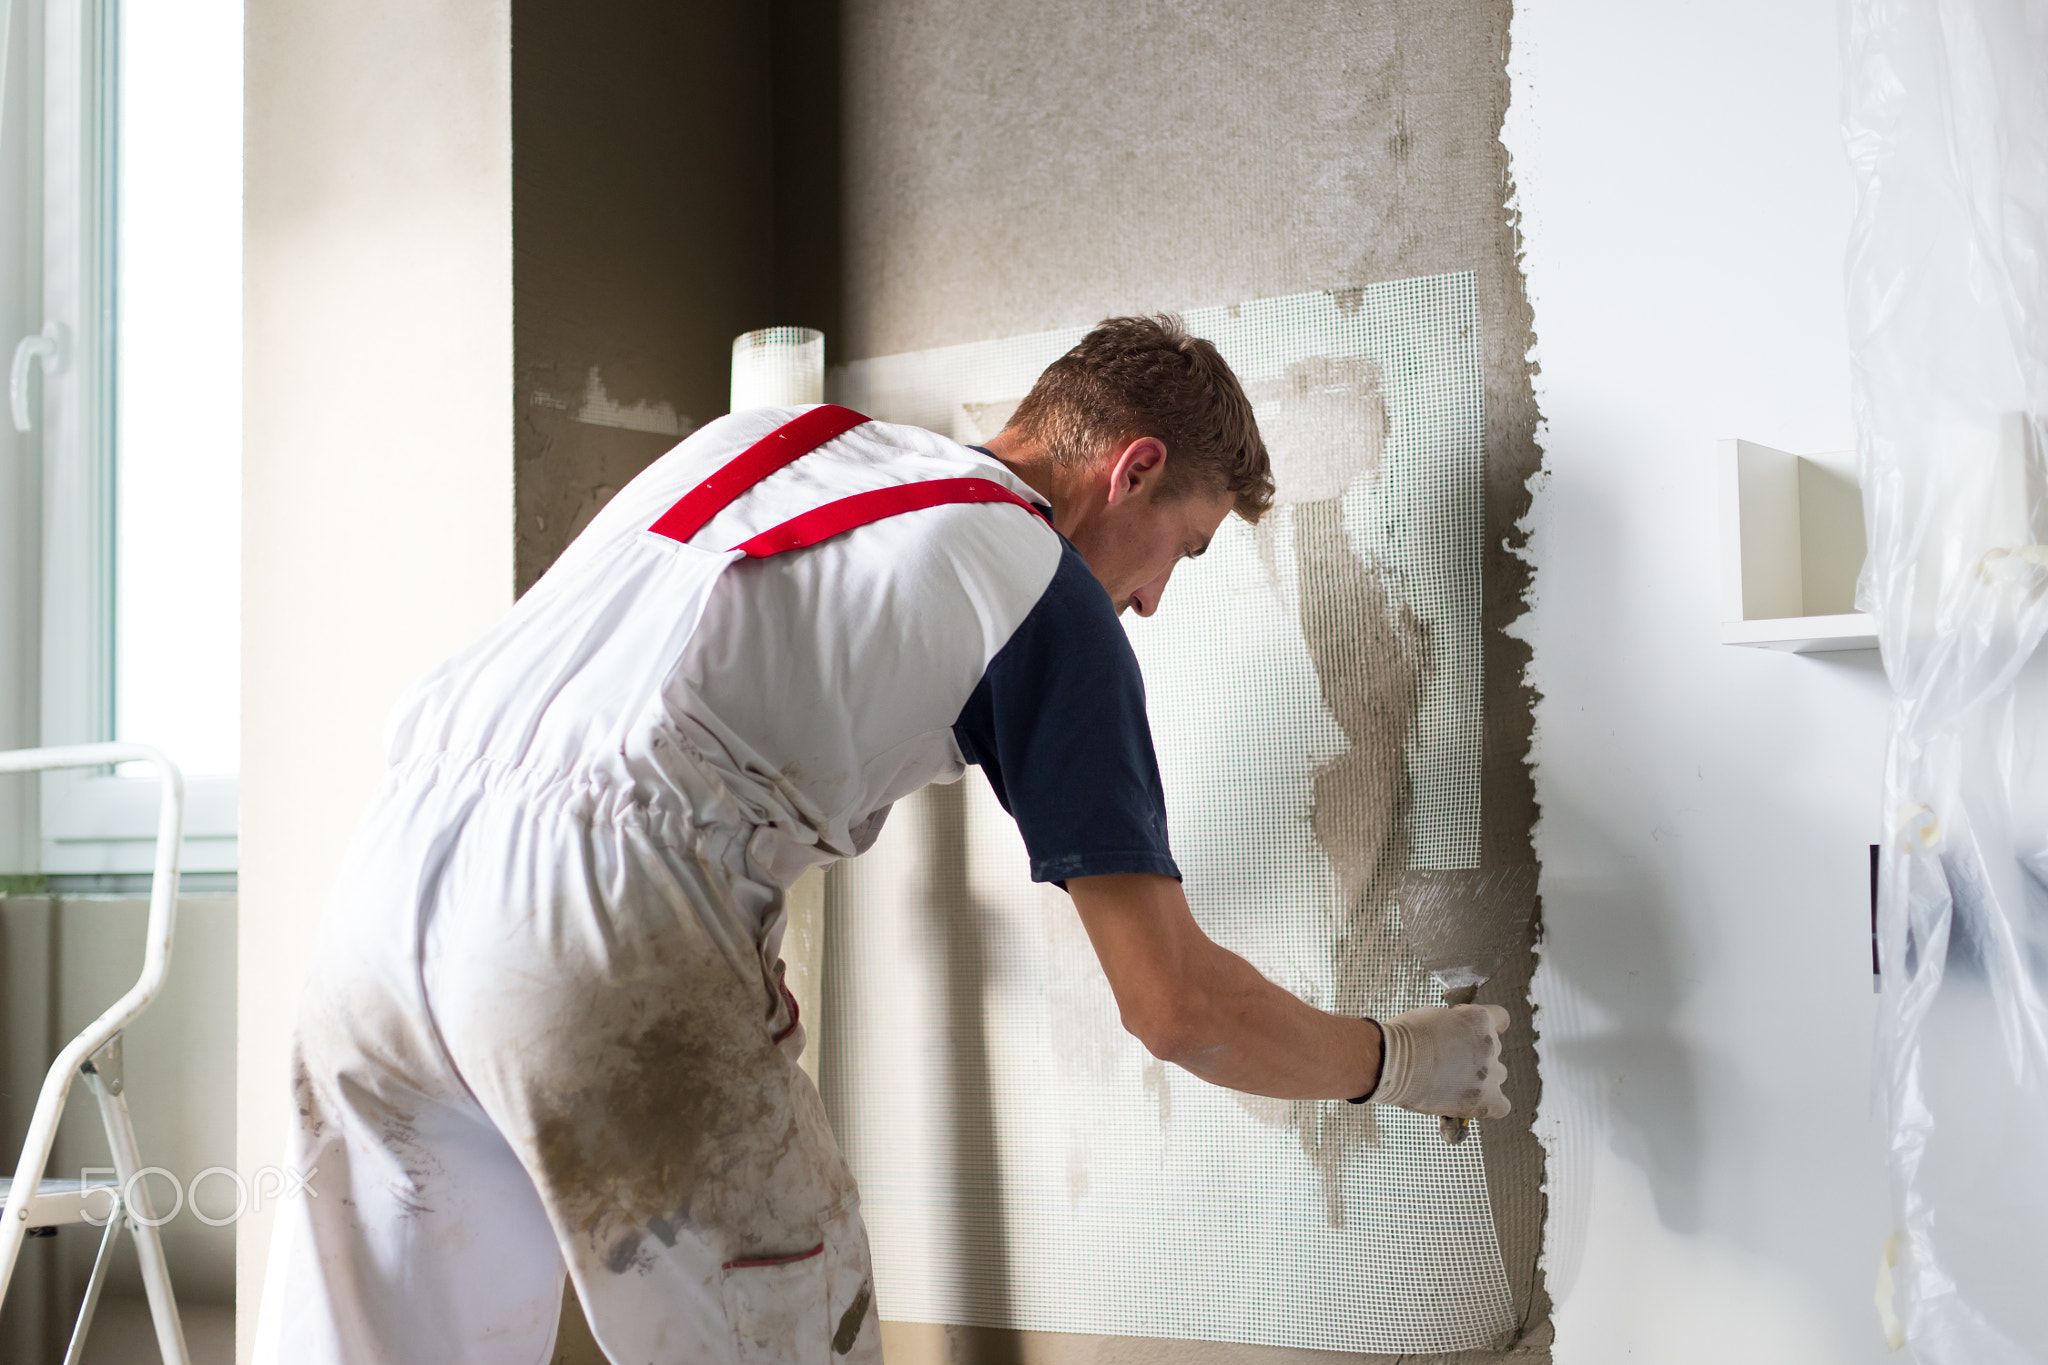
778, 367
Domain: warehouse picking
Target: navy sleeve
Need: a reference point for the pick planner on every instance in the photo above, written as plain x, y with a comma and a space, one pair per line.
1058, 725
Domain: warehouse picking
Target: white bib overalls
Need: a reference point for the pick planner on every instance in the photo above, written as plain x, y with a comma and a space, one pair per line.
545, 1023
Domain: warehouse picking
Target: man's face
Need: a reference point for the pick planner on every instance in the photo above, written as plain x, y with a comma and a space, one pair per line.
1133, 533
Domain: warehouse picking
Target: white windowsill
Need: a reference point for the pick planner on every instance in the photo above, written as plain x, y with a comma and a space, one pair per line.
100, 823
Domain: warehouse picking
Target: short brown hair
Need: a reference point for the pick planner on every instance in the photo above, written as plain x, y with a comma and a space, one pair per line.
1134, 377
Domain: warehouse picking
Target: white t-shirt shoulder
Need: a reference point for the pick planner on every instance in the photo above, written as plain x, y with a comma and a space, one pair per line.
827, 680
819, 685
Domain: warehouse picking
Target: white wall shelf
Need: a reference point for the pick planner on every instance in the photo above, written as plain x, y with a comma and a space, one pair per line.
1791, 548
1804, 634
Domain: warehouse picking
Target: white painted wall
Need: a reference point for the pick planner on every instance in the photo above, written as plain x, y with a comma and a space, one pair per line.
377, 473
1717, 1183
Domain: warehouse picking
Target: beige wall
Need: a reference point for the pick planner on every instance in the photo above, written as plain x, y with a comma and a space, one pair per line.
378, 461
179, 1070
28, 1043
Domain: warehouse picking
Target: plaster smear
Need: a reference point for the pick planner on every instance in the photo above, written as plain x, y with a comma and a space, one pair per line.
1314, 689
599, 409
1369, 650
1325, 425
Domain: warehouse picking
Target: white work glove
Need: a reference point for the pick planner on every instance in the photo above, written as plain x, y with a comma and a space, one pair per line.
1444, 1061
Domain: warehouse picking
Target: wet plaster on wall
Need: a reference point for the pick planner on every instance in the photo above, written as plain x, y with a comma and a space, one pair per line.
1014, 167
1370, 655
1325, 425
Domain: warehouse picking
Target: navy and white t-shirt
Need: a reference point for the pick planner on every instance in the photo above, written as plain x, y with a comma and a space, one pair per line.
821, 685
1058, 724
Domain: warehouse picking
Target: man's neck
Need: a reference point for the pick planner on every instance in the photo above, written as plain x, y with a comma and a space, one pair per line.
1029, 461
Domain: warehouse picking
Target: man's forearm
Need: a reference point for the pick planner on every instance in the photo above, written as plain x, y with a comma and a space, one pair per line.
1195, 1003
1247, 1033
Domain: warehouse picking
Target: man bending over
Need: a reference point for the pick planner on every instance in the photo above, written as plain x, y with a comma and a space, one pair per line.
545, 1023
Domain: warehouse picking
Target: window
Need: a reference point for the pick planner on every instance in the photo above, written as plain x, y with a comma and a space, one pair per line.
140, 420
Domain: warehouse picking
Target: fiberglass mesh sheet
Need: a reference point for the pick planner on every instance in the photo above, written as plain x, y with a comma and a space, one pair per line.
1314, 691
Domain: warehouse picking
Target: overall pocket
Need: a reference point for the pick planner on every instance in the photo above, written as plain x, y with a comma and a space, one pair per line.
778, 1307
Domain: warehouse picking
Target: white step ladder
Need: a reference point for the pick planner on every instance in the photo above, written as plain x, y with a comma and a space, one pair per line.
34, 1203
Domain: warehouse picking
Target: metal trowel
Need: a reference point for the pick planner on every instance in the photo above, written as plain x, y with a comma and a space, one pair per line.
1463, 924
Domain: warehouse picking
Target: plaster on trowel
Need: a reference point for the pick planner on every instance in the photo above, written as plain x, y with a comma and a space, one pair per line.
1462, 925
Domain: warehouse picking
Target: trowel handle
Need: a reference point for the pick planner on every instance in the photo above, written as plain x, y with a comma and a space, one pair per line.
1454, 1129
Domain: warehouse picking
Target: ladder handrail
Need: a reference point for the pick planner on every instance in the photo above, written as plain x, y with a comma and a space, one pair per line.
156, 962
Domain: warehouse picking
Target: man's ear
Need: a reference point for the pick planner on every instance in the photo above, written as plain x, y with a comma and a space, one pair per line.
1136, 468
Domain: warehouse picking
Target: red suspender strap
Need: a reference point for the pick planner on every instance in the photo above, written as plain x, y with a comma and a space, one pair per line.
837, 518
797, 437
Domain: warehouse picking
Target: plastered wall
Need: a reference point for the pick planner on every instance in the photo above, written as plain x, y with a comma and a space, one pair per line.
1016, 167
377, 465
1716, 1185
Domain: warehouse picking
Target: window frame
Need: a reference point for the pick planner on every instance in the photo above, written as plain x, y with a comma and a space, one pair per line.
101, 821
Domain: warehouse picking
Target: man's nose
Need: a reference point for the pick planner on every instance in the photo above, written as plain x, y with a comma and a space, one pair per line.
1145, 600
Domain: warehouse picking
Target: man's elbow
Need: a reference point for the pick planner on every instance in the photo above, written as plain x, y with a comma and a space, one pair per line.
1177, 1033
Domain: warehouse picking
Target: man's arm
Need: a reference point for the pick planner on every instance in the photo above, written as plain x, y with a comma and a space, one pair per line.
1194, 1003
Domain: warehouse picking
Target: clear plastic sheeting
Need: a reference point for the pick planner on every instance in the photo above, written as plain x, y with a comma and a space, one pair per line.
1947, 123
1314, 690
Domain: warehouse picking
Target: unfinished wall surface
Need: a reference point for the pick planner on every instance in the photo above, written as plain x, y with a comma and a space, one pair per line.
377, 497
628, 179
1012, 168
1717, 1188
1314, 693
674, 182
